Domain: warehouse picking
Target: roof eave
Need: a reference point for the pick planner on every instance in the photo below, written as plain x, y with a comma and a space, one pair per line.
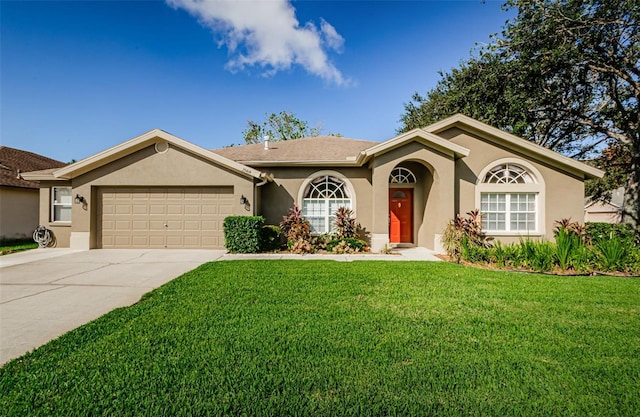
422, 136
497, 135
141, 142
350, 163
37, 176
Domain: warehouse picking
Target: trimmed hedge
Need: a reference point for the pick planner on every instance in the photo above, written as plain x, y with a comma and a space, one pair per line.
597, 231
271, 238
243, 234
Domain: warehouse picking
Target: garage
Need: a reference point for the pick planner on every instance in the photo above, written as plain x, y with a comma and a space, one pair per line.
163, 217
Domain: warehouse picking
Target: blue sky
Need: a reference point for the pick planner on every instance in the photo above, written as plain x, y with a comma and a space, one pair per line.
78, 77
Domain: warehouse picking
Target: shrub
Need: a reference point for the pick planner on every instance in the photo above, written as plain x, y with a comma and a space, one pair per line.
242, 234
573, 228
462, 229
544, 254
498, 255
297, 230
319, 242
567, 244
472, 252
270, 238
348, 245
536, 255
345, 223
300, 246
613, 254
597, 231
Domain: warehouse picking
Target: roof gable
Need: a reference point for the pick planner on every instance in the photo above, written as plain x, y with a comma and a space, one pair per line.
415, 135
141, 142
13, 162
499, 136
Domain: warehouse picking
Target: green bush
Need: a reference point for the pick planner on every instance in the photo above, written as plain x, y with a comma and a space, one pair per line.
243, 234
598, 231
463, 232
472, 252
270, 238
566, 248
613, 253
347, 245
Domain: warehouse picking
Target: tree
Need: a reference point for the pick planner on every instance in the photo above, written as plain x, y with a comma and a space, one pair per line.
564, 74
280, 126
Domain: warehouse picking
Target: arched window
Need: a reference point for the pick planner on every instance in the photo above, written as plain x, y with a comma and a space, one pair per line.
508, 174
322, 198
509, 197
401, 176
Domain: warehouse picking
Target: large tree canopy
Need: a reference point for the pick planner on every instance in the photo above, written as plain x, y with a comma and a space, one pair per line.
564, 74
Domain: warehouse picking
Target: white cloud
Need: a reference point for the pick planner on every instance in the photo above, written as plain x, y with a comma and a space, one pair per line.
266, 33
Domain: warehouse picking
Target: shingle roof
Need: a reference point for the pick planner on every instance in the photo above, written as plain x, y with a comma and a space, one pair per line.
316, 149
12, 160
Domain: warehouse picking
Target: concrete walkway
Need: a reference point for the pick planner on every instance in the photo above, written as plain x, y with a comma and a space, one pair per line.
45, 293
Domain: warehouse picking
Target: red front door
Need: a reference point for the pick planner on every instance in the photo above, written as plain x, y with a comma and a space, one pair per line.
401, 215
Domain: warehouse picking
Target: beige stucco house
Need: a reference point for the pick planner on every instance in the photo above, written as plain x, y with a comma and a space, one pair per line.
19, 207
605, 211
160, 191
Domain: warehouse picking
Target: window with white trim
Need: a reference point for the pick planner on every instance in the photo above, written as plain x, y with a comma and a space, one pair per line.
508, 212
508, 174
322, 198
402, 175
61, 204
506, 201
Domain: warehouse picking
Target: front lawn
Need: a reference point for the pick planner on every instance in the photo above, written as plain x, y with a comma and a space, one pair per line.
325, 338
17, 246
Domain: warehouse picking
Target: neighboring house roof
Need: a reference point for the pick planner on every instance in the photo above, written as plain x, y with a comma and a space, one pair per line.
13, 162
325, 150
514, 142
615, 203
136, 144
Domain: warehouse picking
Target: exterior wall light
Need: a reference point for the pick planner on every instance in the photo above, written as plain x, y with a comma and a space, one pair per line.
79, 199
243, 200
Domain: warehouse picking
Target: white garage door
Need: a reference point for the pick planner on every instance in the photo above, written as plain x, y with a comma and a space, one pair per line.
179, 217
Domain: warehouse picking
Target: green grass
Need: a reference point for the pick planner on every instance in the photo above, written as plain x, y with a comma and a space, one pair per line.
11, 247
267, 338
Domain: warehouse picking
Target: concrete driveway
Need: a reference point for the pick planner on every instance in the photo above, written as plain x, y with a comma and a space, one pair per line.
44, 293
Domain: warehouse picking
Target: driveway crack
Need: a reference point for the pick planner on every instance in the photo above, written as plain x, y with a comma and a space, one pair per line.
33, 294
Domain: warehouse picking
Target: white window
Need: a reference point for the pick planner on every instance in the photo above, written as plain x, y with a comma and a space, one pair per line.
510, 196
322, 198
508, 174
61, 204
401, 176
508, 212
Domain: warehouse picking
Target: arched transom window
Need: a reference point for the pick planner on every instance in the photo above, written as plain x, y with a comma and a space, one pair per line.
508, 174
401, 176
509, 200
322, 198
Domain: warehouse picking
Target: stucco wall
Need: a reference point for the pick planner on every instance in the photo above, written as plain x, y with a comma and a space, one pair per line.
279, 196
18, 212
146, 168
563, 191
61, 231
436, 187
603, 213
